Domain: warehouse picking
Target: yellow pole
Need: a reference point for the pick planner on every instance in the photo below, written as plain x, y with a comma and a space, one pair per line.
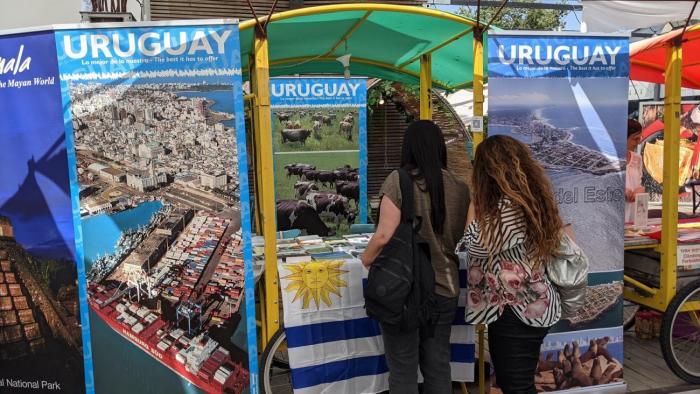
669, 217
265, 185
478, 84
426, 84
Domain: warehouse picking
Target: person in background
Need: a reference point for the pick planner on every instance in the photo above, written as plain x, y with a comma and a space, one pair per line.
441, 199
633, 175
513, 230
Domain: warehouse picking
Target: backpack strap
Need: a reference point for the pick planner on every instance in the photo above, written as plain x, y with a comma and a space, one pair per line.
406, 183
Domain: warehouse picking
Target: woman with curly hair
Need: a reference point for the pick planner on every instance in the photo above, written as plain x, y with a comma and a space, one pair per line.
513, 229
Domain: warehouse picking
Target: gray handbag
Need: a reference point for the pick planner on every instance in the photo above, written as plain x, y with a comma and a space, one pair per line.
568, 272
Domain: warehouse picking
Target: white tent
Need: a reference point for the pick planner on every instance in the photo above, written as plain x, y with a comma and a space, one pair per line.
619, 15
462, 101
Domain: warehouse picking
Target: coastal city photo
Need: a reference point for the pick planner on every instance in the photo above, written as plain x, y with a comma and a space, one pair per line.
159, 204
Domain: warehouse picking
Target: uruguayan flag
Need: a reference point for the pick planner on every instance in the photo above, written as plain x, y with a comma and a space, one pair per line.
333, 346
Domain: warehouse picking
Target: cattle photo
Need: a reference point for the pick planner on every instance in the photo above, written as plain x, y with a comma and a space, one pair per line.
328, 182
315, 129
318, 129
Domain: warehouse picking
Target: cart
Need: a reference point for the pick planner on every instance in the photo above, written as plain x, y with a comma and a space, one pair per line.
382, 39
661, 285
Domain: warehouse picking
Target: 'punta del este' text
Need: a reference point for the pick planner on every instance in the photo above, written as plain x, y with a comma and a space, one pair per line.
98, 45
562, 55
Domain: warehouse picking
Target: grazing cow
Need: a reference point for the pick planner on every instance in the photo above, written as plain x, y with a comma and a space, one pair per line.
298, 169
317, 129
326, 120
326, 177
292, 124
302, 189
349, 118
310, 175
303, 114
333, 115
283, 116
346, 128
344, 173
333, 205
293, 214
317, 116
351, 190
295, 135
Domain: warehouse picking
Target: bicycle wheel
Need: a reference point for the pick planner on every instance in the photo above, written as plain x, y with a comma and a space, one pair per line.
629, 311
275, 371
680, 333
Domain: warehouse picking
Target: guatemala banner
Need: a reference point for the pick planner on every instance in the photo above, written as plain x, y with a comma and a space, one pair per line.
565, 96
153, 118
333, 346
319, 130
44, 330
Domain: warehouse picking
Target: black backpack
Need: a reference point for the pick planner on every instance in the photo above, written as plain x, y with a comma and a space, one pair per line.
400, 290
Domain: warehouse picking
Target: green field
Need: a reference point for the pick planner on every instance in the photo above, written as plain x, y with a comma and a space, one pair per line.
328, 137
284, 187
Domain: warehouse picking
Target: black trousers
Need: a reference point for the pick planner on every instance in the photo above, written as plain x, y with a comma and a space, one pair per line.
515, 350
406, 351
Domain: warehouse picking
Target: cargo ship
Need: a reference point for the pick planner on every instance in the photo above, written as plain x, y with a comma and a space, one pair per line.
176, 297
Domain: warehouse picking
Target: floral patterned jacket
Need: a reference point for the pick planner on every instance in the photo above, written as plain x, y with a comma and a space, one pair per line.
500, 274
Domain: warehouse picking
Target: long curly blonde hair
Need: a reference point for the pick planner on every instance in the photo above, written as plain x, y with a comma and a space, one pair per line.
505, 169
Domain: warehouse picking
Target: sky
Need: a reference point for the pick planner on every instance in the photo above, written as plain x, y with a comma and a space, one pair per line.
571, 21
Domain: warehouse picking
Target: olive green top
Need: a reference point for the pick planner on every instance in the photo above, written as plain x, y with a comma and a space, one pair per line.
442, 246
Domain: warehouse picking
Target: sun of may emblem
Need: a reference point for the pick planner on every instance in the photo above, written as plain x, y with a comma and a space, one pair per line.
315, 280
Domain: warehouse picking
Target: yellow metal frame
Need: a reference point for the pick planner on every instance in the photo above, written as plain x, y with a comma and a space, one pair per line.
478, 85
426, 86
259, 71
265, 182
324, 9
660, 298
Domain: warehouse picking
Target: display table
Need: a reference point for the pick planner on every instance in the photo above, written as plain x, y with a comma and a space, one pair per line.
325, 323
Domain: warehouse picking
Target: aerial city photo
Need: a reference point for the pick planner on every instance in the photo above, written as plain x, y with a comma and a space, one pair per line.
159, 203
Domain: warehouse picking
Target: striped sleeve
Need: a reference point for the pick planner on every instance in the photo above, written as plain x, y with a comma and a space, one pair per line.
471, 242
510, 234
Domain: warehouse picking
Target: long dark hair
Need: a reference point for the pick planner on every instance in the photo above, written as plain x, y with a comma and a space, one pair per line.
424, 150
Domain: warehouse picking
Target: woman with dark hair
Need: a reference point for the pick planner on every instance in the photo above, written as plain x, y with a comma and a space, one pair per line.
513, 230
441, 199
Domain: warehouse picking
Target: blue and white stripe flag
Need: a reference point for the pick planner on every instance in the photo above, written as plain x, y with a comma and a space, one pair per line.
333, 346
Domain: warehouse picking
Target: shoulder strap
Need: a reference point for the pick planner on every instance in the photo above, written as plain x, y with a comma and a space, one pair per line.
406, 195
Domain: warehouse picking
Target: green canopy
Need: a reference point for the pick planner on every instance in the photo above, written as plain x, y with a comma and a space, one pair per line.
386, 41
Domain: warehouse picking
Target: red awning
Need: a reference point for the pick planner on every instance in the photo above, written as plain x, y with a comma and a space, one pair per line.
648, 57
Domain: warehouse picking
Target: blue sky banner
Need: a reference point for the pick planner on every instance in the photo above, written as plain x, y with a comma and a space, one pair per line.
558, 56
41, 341
154, 116
319, 130
566, 98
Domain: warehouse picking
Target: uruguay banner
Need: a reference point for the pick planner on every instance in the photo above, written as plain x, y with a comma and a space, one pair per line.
154, 116
333, 346
44, 328
319, 128
565, 96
